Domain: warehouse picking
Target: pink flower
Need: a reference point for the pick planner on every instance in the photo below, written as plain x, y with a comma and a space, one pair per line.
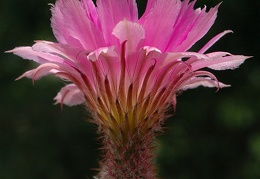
126, 69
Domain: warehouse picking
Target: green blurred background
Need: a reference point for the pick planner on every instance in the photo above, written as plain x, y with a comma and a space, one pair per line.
211, 136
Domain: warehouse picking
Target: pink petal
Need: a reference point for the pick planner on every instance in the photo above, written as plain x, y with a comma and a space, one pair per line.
131, 32
229, 62
220, 61
113, 11
91, 12
191, 26
71, 25
67, 53
202, 81
70, 95
159, 29
28, 53
55, 49
213, 41
46, 52
42, 70
72, 60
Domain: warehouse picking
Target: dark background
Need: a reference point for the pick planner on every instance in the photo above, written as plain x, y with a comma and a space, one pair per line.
211, 136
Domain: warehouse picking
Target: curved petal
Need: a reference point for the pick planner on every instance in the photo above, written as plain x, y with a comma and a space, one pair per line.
113, 11
129, 31
150, 49
107, 51
42, 70
72, 26
70, 95
213, 41
202, 81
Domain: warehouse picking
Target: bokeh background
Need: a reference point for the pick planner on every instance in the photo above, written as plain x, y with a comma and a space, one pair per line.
211, 136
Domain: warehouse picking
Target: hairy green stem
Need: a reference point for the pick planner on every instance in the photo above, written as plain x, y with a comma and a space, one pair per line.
128, 157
